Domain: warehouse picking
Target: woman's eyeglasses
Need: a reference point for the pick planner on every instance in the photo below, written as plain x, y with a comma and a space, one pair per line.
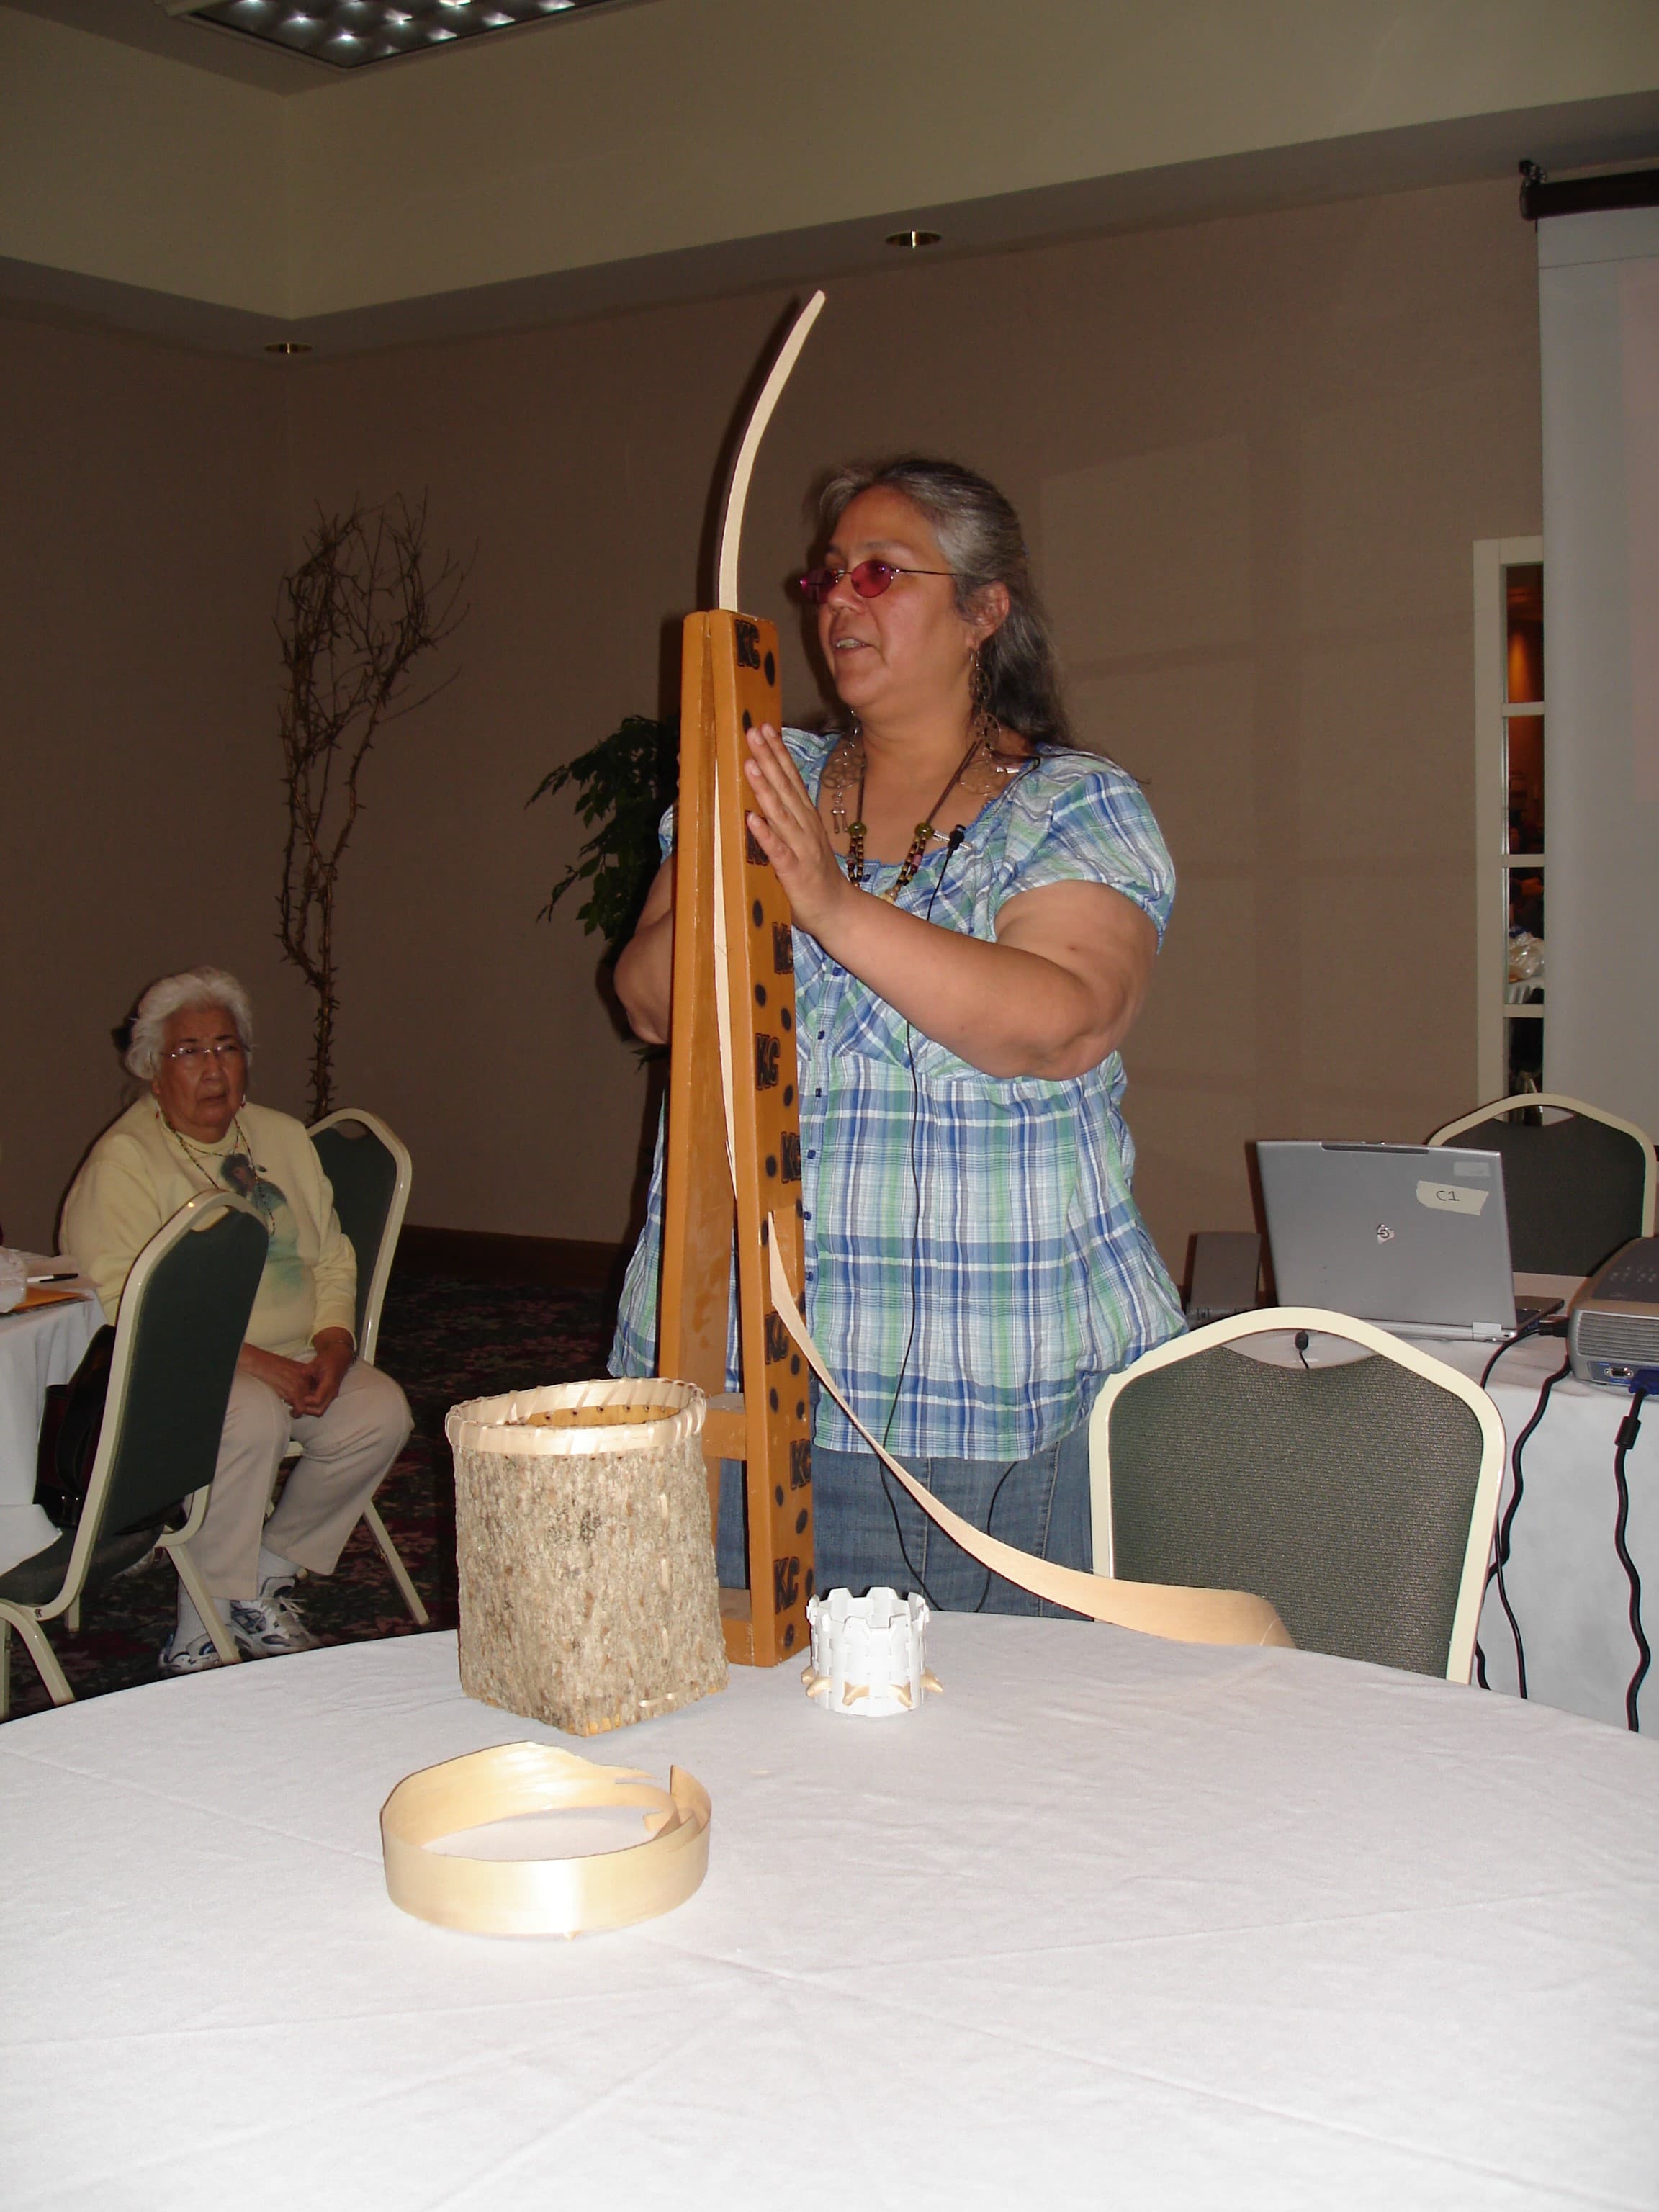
197, 1056
869, 579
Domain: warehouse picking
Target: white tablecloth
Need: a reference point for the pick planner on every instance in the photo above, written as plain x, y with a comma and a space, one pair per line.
37, 1349
1113, 1921
1564, 1579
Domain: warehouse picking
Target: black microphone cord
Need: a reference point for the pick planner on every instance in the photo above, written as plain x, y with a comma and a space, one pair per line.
990, 1515
1501, 1550
1495, 1566
952, 845
1629, 1429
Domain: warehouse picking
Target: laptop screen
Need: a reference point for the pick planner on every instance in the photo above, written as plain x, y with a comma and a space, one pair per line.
1414, 1237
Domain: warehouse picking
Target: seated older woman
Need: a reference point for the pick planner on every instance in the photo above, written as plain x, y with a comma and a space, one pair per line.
298, 1376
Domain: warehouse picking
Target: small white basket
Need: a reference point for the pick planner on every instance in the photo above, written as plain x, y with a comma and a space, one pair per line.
868, 1655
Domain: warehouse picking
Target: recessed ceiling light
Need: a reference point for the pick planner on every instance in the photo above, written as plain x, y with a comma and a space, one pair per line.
348, 34
913, 239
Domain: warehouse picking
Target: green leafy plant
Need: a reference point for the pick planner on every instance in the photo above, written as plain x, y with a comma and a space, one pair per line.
623, 784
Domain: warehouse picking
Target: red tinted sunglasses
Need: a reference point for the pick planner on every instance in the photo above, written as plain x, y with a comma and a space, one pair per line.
869, 579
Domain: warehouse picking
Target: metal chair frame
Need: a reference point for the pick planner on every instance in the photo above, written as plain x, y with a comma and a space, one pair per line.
369, 1332
26, 1619
1282, 1320
1450, 1130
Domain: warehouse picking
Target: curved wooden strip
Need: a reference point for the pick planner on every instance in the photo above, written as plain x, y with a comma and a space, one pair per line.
1188, 1616
725, 571
540, 1897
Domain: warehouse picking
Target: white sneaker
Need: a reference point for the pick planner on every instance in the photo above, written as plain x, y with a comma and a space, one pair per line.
269, 1626
193, 1656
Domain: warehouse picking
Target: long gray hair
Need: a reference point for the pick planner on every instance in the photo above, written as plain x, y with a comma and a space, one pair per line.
979, 534
172, 994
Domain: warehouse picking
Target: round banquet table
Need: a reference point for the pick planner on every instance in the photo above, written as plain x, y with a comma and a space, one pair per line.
1112, 1920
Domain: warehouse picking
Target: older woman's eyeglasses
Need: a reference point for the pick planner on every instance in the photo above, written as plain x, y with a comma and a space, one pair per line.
193, 1056
870, 579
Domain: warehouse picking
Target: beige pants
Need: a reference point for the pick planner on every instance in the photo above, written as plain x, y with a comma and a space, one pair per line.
347, 1450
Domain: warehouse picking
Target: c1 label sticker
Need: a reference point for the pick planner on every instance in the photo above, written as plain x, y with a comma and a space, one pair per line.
1451, 1197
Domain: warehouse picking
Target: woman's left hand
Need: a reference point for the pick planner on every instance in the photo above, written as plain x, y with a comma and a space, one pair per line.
790, 831
332, 1353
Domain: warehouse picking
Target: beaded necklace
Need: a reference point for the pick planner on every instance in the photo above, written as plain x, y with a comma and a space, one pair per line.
982, 770
204, 1162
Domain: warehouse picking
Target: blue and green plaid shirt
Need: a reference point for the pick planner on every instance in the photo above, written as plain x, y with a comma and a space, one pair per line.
976, 1267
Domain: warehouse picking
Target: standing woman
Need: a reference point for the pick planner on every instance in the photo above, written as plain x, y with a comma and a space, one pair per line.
978, 908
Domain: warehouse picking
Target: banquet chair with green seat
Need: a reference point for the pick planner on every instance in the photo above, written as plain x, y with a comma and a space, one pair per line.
1575, 1188
1358, 1499
183, 1315
369, 1170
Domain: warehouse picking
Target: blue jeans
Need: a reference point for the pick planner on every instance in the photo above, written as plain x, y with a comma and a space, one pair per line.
867, 1530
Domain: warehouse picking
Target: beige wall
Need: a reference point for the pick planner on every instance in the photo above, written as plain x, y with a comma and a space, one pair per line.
141, 533
576, 464
1252, 456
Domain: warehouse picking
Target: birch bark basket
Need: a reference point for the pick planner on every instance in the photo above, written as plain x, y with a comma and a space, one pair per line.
588, 1597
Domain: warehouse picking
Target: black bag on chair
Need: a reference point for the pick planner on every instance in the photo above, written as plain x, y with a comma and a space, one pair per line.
70, 1426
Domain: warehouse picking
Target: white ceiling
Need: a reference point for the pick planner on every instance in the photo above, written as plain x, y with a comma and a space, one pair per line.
525, 189
223, 52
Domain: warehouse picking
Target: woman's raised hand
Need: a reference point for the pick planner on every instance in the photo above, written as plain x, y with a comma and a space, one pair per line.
791, 833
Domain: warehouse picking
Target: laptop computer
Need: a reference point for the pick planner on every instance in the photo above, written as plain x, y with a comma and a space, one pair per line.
1414, 1237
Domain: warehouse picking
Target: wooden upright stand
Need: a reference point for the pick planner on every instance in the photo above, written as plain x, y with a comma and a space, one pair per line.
729, 684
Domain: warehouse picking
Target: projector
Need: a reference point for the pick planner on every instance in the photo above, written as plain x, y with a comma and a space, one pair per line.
1613, 1323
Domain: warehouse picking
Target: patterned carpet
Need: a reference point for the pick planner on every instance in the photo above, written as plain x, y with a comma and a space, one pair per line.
444, 1340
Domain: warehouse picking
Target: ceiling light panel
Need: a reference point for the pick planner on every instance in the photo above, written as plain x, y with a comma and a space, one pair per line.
351, 33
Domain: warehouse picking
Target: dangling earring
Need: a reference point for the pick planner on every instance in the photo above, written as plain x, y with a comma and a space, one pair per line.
982, 722
987, 766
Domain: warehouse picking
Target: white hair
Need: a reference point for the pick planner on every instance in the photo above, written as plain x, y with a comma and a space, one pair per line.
195, 987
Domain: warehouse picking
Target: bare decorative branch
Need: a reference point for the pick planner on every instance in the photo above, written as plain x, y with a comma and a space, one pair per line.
355, 617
